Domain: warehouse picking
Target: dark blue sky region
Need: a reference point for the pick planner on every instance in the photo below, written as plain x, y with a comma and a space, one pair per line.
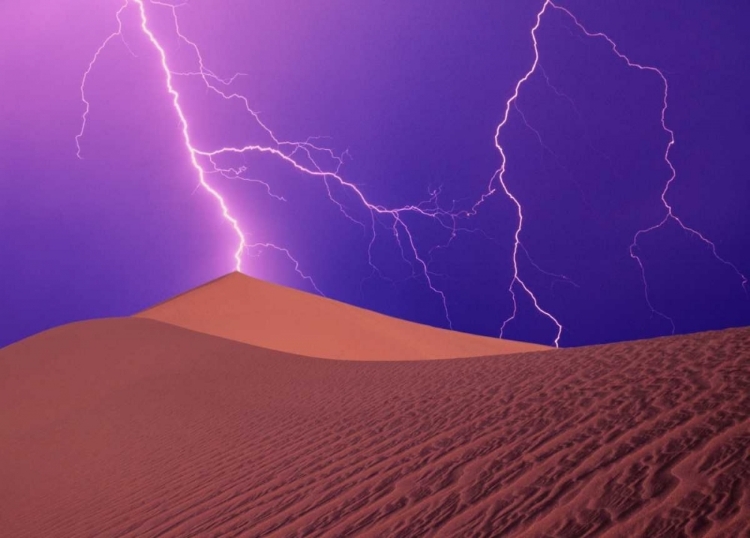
413, 91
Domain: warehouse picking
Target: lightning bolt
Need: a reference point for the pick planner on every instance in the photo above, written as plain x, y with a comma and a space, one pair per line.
669, 214
512, 102
517, 282
307, 157
304, 157
192, 152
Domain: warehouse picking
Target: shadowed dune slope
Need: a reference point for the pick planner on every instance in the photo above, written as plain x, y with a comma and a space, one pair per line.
136, 428
255, 312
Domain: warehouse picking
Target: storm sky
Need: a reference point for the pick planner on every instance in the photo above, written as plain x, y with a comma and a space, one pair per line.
413, 92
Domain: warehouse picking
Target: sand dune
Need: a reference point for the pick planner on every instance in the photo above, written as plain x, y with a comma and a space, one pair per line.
133, 427
248, 310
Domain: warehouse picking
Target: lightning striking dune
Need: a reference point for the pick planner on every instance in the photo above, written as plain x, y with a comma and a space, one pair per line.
134, 427
242, 308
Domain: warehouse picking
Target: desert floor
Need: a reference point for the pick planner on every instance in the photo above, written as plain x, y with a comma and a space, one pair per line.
136, 427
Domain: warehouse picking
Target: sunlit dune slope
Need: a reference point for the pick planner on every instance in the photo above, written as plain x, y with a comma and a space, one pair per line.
136, 428
248, 310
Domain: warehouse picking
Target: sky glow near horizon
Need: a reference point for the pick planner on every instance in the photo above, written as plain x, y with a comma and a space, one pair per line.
581, 129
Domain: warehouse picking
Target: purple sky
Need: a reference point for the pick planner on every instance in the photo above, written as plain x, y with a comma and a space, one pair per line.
414, 91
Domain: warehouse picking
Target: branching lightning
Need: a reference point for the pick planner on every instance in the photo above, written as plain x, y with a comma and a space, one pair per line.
307, 158
512, 102
304, 157
669, 210
517, 281
86, 74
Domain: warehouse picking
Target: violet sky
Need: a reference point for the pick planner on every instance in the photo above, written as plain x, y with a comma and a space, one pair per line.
414, 91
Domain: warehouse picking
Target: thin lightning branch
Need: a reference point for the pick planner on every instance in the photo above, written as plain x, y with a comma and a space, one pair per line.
557, 92
575, 109
294, 261
670, 214
557, 277
237, 173
537, 134
545, 147
86, 74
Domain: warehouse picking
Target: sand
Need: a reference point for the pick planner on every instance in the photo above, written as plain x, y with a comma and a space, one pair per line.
136, 428
248, 310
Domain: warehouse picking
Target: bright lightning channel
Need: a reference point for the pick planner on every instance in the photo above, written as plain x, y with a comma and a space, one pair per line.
669, 211
303, 157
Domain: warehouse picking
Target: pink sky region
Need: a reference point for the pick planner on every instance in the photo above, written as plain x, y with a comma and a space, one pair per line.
508, 170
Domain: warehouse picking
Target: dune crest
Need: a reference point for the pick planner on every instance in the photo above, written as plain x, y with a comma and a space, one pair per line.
267, 315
